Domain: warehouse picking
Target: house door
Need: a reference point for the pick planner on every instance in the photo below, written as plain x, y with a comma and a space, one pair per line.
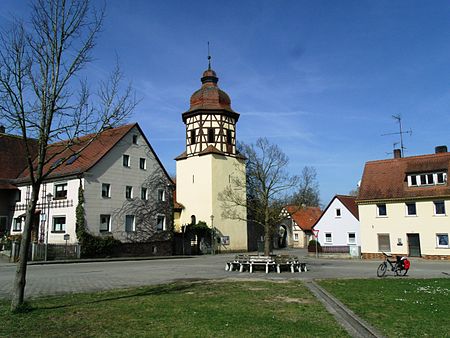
414, 245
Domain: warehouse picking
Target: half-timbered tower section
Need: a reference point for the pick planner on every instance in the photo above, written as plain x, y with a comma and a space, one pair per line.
209, 163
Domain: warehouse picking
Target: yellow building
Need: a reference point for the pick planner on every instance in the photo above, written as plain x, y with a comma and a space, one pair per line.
403, 206
209, 163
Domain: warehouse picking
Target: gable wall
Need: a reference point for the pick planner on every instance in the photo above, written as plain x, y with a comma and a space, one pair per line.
339, 227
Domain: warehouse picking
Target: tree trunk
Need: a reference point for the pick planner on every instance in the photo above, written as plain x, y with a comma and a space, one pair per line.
267, 233
19, 280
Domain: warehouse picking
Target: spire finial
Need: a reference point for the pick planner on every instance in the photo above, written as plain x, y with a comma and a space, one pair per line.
209, 58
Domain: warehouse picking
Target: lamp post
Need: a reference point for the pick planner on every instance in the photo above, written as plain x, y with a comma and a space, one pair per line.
213, 242
49, 199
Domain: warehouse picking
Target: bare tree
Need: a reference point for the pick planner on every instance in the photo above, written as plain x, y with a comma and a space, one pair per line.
267, 181
157, 202
308, 194
42, 96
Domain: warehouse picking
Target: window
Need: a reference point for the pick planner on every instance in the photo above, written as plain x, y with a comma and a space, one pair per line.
192, 136
160, 222
129, 223
135, 139
442, 240
61, 191
106, 190
351, 238
210, 135
423, 179
161, 195
384, 243
338, 212
17, 224
439, 208
105, 223
229, 136
142, 163
295, 237
144, 194
427, 179
381, 209
411, 209
126, 160
328, 237
59, 223
128, 192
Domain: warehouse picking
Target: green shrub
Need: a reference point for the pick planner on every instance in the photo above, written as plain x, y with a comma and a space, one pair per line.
312, 246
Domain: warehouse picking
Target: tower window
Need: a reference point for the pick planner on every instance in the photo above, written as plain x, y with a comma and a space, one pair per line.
211, 135
192, 136
229, 138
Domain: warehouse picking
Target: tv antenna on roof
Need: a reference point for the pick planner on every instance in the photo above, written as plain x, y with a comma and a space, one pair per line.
400, 132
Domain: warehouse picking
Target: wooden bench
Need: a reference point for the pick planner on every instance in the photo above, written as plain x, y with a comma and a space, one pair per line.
267, 261
291, 262
249, 262
238, 263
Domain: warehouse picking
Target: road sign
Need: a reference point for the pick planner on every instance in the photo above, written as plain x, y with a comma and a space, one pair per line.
316, 233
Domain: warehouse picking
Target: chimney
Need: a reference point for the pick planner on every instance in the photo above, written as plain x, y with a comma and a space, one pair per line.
440, 149
2, 129
397, 153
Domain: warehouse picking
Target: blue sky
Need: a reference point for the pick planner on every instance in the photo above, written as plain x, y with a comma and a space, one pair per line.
321, 79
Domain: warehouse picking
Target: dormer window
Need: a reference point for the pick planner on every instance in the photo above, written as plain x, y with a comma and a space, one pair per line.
427, 179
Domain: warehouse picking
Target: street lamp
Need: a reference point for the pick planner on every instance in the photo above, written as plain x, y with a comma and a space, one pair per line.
213, 241
49, 199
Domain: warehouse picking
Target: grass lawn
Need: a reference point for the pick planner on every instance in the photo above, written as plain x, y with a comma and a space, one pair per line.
202, 309
399, 307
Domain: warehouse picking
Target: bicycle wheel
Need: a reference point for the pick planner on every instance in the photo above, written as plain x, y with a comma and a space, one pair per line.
381, 271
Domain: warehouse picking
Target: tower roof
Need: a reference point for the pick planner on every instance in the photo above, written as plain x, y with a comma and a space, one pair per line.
210, 96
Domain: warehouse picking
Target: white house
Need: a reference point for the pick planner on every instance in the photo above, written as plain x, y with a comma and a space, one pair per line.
403, 206
127, 191
338, 226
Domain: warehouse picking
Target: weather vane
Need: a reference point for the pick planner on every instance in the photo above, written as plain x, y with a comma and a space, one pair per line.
209, 58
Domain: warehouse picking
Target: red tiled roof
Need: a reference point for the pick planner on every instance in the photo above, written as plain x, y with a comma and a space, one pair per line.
12, 155
305, 217
387, 179
350, 204
95, 151
210, 150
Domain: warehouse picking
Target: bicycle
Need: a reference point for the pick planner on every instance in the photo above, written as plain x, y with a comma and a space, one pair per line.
400, 266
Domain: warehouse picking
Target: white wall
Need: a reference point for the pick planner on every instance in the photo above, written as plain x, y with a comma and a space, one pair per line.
199, 181
339, 227
57, 208
110, 169
398, 224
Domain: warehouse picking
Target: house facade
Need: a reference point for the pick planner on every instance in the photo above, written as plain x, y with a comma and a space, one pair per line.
296, 228
11, 166
127, 192
404, 206
338, 225
209, 164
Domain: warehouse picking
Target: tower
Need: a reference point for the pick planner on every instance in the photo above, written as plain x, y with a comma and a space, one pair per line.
210, 161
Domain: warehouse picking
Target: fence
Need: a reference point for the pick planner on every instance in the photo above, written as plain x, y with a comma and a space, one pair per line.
38, 252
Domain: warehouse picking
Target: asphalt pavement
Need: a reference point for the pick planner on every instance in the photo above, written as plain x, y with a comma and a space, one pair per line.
52, 279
